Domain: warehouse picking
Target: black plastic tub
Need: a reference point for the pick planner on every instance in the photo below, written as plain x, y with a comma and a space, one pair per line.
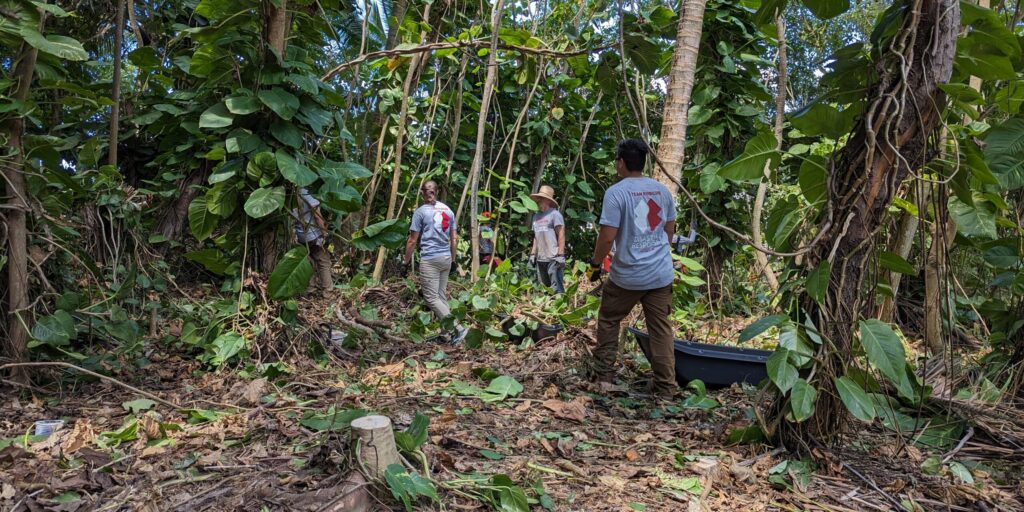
718, 366
545, 331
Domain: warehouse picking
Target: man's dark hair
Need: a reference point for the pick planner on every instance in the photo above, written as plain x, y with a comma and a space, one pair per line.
633, 153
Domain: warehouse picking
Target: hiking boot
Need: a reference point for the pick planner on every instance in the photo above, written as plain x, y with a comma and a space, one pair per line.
458, 336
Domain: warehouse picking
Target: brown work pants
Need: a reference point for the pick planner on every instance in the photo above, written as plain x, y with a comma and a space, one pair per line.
321, 260
616, 303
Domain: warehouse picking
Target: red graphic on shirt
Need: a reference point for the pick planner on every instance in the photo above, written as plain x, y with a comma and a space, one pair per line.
442, 220
653, 214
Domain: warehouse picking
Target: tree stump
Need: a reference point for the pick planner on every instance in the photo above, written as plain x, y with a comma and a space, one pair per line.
375, 442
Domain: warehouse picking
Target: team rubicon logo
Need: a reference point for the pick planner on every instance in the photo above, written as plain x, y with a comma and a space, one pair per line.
647, 215
442, 220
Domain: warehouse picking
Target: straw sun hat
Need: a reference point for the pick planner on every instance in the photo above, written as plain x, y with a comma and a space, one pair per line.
546, 192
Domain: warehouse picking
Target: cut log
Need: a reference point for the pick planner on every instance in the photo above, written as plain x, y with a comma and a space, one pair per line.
375, 444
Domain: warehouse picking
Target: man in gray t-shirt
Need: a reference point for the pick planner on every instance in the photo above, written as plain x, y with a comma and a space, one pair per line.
638, 216
311, 230
548, 251
433, 229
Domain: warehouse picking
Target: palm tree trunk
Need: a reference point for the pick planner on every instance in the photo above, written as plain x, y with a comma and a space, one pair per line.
672, 148
478, 152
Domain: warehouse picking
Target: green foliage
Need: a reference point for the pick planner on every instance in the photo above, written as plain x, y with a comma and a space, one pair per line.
886, 353
413, 437
855, 399
291, 275
331, 420
409, 487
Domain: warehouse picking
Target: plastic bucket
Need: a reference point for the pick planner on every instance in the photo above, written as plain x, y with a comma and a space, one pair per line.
47, 427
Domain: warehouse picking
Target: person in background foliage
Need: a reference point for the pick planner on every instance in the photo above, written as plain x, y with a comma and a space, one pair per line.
311, 230
638, 216
433, 229
487, 241
679, 241
548, 252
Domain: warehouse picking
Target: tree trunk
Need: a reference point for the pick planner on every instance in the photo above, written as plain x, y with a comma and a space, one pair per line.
763, 265
904, 242
896, 134
277, 26
456, 125
115, 90
140, 39
398, 9
403, 117
481, 128
672, 148
936, 296
175, 216
15, 346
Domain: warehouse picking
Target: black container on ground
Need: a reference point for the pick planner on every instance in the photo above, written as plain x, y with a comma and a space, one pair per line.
716, 365
544, 331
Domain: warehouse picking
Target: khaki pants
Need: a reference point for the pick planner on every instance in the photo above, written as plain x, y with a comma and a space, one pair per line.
616, 303
321, 267
434, 281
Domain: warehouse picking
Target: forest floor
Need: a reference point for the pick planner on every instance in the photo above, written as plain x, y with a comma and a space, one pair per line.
264, 437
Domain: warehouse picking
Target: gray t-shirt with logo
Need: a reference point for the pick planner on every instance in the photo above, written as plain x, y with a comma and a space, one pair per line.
639, 208
306, 229
544, 225
436, 225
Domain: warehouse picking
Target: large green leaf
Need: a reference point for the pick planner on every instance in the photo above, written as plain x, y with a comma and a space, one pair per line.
780, 371
414, 436
286, 133
817, 281
292, 170
264, 201
822, 119
884, 350
501, 388
291, 275
856, 399
62, 47
802, 400
222, 199
201, 220
761, 325
1004, 153
282, 102
749, 166
242, 105
896, 263
977, 220
212, 259
332, 419
216, 116
226, 346
827, 9
813, 179
56, 329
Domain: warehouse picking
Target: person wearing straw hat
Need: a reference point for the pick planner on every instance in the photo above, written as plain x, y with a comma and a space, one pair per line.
548, 252
638, 215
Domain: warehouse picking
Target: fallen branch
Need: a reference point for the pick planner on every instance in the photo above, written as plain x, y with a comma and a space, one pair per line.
960, 445
111, 380
474, 43
873, 485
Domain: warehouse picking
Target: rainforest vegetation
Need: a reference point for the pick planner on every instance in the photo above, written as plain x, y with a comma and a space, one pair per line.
854, 171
